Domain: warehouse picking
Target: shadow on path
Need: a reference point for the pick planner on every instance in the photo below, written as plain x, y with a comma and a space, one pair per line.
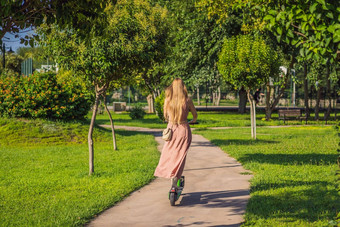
217, 199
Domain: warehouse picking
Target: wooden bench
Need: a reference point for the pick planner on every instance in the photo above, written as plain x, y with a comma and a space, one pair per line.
291, 113
119, 106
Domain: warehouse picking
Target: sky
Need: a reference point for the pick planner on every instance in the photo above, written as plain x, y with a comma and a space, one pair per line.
10, 40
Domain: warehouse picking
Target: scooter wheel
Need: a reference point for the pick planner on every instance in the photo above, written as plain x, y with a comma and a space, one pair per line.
172, 198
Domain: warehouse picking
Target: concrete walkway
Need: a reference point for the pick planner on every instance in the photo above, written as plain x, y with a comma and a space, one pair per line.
215, 193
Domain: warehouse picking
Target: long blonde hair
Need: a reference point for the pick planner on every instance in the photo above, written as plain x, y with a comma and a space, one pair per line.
175, 97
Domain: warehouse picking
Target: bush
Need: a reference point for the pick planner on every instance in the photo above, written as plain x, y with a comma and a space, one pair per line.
137, 112
159, 106
41, 96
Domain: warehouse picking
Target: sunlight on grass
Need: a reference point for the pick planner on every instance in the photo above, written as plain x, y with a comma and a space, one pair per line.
295, 182
45, 182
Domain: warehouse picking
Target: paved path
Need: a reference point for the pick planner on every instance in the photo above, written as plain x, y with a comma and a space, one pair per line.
215, 193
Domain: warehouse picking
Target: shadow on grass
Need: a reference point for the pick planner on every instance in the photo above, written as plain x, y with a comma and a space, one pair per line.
242, 142
123, 132
290, 159
311, 204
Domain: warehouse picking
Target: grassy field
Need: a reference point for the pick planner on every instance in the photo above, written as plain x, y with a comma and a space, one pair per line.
44, 171
205, 119
295, 182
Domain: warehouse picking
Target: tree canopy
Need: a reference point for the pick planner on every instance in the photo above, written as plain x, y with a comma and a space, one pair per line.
247, 61
131, 41
17, 15
310, 25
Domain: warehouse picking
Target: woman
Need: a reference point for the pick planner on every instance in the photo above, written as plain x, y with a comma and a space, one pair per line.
176, 108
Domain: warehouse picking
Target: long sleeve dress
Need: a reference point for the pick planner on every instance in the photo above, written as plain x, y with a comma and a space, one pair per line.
174, 152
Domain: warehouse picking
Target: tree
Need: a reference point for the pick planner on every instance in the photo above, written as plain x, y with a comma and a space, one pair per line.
197, 42
312, 25
248, 62
309, 27
18, 15
279, 82
129, 41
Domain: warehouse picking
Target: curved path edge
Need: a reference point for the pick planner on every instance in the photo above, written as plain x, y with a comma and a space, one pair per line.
216, 192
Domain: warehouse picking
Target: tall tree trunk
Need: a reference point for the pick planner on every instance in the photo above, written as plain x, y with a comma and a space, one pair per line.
329, 108
150, 103
252, 115
90, 140
317, 104
214, 94
112, 126
218, 97
198, 96
305, 86
268, 108
242, 100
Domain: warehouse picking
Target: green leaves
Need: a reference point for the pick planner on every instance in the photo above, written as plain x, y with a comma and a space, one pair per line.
133, 37
312, 8
247, 61
312, 26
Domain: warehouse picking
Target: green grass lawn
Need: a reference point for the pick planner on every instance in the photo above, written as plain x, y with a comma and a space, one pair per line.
205, 119
295, 182
44, 171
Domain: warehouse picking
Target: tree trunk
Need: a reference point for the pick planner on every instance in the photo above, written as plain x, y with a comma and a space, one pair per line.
152, 107
305, 86
218, 97
252, 115
198, 96
90, 140
112, 126
242, 100
329, 108
254, 118
150, 103
268, 107
214, 94
317, 104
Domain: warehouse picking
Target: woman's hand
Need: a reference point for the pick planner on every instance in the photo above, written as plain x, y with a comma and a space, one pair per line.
192, 122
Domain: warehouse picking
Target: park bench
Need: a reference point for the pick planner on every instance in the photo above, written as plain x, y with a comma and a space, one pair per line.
291, 114
119, 106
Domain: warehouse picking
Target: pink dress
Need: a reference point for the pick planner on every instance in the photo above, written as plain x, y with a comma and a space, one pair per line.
172, 160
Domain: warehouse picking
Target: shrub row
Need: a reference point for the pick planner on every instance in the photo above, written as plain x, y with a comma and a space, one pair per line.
41, 96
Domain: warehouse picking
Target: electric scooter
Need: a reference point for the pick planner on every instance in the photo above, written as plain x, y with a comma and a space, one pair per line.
175, 192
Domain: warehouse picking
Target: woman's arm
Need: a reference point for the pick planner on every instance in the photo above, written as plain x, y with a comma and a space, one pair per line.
192, 110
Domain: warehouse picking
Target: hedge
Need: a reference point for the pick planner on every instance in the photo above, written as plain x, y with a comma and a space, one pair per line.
41, 96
